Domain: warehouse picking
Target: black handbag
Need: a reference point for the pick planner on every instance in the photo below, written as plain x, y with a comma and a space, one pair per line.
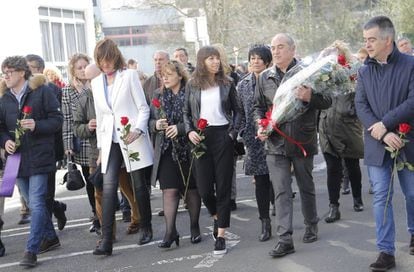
73, 178
97, 178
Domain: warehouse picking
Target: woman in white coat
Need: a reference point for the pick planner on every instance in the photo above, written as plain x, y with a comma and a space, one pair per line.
117, 93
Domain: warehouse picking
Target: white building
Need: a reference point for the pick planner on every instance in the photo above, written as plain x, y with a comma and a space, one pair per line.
53, 29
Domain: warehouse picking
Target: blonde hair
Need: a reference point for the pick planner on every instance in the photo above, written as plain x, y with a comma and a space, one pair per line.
54, 71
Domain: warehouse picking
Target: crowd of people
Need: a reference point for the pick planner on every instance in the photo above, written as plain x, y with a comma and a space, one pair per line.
182, 127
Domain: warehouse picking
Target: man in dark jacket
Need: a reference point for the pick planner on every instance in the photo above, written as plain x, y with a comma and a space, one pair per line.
384, 99
281, 154
37, 65
36, 144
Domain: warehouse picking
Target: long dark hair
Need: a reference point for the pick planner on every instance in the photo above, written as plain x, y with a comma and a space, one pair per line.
107, 50
200, 78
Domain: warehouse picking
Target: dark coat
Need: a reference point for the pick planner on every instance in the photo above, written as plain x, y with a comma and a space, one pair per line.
302, 129
385, 92
150, 85
59, 152
340, 131
37, 147
159, 135
229, 101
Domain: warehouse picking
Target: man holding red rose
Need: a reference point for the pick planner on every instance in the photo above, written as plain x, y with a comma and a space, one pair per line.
29, 100
384, 100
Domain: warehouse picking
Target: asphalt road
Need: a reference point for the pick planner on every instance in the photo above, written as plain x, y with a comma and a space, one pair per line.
344, 246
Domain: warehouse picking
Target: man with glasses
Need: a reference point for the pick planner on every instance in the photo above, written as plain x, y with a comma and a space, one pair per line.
36, 144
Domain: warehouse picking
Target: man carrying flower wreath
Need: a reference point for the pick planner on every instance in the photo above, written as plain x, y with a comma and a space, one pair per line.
29, 118
297, 147
384, 100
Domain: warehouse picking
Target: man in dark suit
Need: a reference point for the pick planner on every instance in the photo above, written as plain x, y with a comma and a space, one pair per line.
384, 100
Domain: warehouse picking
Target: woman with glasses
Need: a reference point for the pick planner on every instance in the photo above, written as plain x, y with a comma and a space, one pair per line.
172, 153
211, 95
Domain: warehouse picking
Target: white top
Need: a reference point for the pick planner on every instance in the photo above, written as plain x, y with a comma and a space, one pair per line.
110, 89
211, 109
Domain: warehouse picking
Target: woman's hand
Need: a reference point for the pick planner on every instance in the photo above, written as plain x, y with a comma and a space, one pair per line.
10, 146
171, 131
92, 125
132, 136
194, 137
161, 124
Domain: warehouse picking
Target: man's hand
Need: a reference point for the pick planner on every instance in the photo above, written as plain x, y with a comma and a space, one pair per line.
10, 146
377, 130
303, 93
393, 141
262, 134
171, 131
28, 124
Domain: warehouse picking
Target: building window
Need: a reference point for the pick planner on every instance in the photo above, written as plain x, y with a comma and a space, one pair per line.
63, 33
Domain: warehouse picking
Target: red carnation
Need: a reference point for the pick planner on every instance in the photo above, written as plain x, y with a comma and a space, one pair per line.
202, 124
27, 110
124, 120
156, 103
404, 128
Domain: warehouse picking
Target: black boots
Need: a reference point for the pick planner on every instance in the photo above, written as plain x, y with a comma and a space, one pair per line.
104, 248
358, 205
412, 245
266, 230
145, 235
383, 262
334, 214
2, 248
311, 233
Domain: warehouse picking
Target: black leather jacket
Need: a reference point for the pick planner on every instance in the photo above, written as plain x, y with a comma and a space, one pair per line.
229, 101
302, 129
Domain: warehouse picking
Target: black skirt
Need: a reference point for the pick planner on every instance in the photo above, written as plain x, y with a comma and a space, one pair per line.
169, 174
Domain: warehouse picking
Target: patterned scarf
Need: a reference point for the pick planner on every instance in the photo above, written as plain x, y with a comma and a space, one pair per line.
173, 106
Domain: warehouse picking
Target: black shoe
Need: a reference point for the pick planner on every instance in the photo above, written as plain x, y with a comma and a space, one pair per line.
266, 230
145, 236
2, 249
233, 205
383, 262
48, 245
126, 216
346, 191
358, 205
273, 210
29, 260
60, 216
215, 229
25, 219
412, 245
167, 243
220, 246
161, 213
281, 250
196, 239
104, 248
334, 214
311, 233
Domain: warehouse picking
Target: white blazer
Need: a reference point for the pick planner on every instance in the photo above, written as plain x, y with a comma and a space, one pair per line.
128, 100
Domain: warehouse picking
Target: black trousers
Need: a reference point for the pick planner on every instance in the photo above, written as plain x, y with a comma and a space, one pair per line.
334, 169
215, 167
110, 196
263, 186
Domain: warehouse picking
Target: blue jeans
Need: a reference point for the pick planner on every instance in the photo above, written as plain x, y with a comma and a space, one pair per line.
34, 191
381, 178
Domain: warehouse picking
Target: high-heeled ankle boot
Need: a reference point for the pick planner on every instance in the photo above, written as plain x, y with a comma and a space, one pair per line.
167, 243
358, 205
334, 214
104, 248
266, 230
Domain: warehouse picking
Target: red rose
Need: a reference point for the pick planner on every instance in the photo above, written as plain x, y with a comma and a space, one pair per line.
202, 124
404, 128
27, 110
264, 123
124, 120
342, 60
156, 103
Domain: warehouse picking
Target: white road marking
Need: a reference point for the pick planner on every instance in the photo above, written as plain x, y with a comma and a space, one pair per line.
237, 217
319, 167
352, 250
287, 264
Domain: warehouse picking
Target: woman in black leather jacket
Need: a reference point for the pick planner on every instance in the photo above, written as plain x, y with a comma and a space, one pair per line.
212, 96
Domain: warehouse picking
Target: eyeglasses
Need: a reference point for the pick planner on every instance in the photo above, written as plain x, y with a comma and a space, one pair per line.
8, 73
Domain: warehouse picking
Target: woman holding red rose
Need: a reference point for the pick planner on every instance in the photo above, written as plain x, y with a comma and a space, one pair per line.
211, 95
172, 153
